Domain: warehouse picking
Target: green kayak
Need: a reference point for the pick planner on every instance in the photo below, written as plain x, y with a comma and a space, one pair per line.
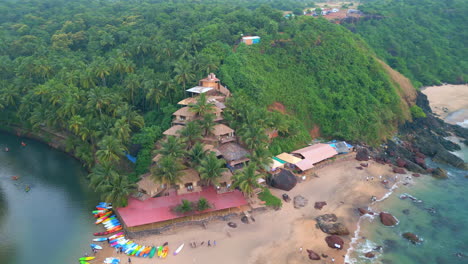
152, 252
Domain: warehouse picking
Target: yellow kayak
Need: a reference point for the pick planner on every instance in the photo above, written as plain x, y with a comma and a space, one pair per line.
164, 252
86, 258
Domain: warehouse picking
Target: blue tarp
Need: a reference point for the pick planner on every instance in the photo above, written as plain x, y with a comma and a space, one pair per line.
130, 157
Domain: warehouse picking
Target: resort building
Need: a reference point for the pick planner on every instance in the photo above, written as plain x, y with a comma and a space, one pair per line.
183, 116
173, 131
225, 182
234, 154
249, 40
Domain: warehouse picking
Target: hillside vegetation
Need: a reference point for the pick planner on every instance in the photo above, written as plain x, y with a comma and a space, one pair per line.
426, 40
324, 75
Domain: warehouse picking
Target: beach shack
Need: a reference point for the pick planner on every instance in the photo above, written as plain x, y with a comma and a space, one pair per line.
234, 154
312, 155
224, 182
173, 131
249, 40
189, 182
223, 133
183, 116
148, 186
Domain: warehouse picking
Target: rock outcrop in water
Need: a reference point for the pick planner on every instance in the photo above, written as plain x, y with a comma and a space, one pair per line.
412, 237
439, 173
388, 219
424, 137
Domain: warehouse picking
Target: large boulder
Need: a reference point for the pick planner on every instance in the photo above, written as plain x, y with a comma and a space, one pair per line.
313, 255
334, 242
284, 180
300, 201
327, 223
439, 173
362, 154
411, 166
412, 237
369, 255
388, 219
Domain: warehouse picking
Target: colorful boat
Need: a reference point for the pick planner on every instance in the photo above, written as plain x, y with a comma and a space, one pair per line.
86, 258
179, 249
160, 248
100, 239
152, 252
165, 251
95, 246
110, 231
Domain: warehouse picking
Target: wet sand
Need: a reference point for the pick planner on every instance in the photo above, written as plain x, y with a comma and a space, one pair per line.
277, 236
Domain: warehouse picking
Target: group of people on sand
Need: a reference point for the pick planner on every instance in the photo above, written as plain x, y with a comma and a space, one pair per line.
194, 243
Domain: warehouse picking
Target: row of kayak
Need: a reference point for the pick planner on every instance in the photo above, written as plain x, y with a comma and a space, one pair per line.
106, 217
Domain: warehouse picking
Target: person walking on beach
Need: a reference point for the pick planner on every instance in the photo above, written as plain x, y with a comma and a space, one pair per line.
129, 260
214, 243
209, 243
333, 260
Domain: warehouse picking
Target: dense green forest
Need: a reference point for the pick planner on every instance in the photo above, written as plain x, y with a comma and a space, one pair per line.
108, 75
426, 40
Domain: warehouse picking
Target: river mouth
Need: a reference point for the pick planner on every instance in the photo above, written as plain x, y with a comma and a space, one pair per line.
45, 211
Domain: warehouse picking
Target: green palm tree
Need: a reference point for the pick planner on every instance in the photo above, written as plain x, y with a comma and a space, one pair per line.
247, 180
196, 154
75, 123
185, 207
207, 123
211, 169
183, 73
202, 106
167, 171
117, 190
261, 157
122, 130
173, 147
203, 204
253, 136
191, 133
110, 149
101, 175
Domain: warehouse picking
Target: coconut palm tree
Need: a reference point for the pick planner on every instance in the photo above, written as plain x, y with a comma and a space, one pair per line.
183, 73
117, 190
196, 154
211, 169
122, 130
207, 123
203, 204
185, 207
75, 123
173, 147
101, 175
202, 106
191, 133
247, 180
261, 157
167, 171
110, 149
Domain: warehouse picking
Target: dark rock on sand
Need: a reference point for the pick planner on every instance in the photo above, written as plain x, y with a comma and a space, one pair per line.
334, 242
439, 173
327, 223
284, 180
326, 218
416, 175
363, 154
324, 255
232, 224
359, 168
365, 165
300, 201
412, 237
401, 163
319, 205
313, 255
399, 170
388, 219
369, 255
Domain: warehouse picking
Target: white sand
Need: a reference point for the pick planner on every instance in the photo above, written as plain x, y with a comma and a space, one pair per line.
446, 99
276, 236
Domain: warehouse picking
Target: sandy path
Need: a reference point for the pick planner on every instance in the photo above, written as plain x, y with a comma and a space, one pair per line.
276, 236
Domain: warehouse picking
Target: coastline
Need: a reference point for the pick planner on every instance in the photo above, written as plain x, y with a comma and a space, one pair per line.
264, 241
448, 100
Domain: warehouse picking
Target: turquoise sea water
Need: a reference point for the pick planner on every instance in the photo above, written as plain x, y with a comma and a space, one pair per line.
51, 223
439, 215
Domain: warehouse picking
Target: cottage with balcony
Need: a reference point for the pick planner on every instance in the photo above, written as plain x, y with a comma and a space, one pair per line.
234, 154
225, 182
189, 182
223, 133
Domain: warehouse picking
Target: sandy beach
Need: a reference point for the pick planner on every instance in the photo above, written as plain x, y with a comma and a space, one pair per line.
277, 236
447, 99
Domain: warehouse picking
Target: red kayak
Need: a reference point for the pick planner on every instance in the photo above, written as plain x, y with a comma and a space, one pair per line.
108, 232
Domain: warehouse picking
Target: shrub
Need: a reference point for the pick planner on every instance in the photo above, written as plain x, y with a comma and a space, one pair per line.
270, 199
203, 204
185, 207
417, 112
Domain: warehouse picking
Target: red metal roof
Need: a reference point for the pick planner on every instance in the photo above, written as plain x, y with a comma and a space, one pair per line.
160, 209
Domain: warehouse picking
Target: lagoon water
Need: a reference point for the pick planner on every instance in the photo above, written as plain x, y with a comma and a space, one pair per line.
439, 216
52, 223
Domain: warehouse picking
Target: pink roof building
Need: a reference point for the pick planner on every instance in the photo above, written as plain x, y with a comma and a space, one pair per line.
314, 154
